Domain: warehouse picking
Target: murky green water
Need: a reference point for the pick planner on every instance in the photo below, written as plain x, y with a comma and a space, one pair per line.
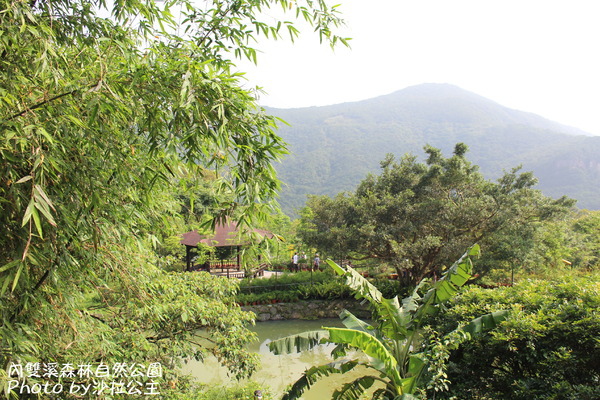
277, 372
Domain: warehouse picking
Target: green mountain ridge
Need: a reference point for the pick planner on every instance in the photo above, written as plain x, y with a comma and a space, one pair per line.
334, 147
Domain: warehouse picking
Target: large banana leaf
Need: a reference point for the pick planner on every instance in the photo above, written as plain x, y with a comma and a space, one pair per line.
297, 343
383, 360
392, 344
391, 321
485, 322
448, 285
415, 368
456, 276
362, 287
383, 394
350, 321
394, 326
355, 389
411, 303
313, 374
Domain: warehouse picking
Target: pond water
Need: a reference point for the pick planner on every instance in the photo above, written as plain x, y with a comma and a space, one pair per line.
277, 372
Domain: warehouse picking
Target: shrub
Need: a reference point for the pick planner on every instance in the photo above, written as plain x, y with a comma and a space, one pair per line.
548, 348
322, 285
284, 281
334, 289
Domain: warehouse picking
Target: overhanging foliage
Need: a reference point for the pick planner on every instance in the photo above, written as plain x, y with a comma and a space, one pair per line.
104, 108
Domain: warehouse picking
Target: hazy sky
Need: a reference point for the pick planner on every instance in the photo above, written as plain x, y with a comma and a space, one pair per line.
540, 56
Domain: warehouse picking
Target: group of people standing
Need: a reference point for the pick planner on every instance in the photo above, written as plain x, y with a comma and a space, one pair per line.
296, 260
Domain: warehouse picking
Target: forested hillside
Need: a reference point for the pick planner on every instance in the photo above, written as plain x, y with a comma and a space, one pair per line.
334, 147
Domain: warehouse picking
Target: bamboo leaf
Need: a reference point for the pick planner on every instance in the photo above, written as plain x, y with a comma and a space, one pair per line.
43, 208
28, 213
5, 286
24, 179
9, 265
37, 221
45, 134
37, 189
17, 276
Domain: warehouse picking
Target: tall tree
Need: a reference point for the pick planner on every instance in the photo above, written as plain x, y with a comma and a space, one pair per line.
102, 106
417, 216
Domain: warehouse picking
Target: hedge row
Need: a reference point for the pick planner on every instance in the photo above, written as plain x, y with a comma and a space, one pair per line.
299, 286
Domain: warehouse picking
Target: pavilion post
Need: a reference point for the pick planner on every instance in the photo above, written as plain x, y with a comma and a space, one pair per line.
187, 258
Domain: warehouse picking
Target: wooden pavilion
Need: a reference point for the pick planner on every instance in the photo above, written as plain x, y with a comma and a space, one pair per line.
228, 243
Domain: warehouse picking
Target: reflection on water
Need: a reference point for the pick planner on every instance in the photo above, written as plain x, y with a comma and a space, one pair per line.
277, 372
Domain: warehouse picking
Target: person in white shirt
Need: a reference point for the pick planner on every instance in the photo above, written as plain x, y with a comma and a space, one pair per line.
316, 262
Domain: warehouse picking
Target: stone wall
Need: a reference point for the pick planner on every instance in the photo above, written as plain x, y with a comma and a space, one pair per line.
313, 309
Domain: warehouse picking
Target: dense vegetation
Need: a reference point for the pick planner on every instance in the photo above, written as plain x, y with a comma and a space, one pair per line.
117, 134
546, 349
543, 341
318, 285
119, 121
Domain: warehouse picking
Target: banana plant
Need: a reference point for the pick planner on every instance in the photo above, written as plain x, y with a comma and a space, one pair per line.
396, 350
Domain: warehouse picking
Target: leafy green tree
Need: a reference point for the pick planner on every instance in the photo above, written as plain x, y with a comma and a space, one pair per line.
400, 354
417, 216
586, 226
573, 240
103, 107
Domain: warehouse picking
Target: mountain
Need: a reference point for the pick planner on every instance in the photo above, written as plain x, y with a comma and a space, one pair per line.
334, 147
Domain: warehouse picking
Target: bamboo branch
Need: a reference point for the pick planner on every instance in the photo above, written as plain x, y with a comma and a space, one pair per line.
20, 113
39, 105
